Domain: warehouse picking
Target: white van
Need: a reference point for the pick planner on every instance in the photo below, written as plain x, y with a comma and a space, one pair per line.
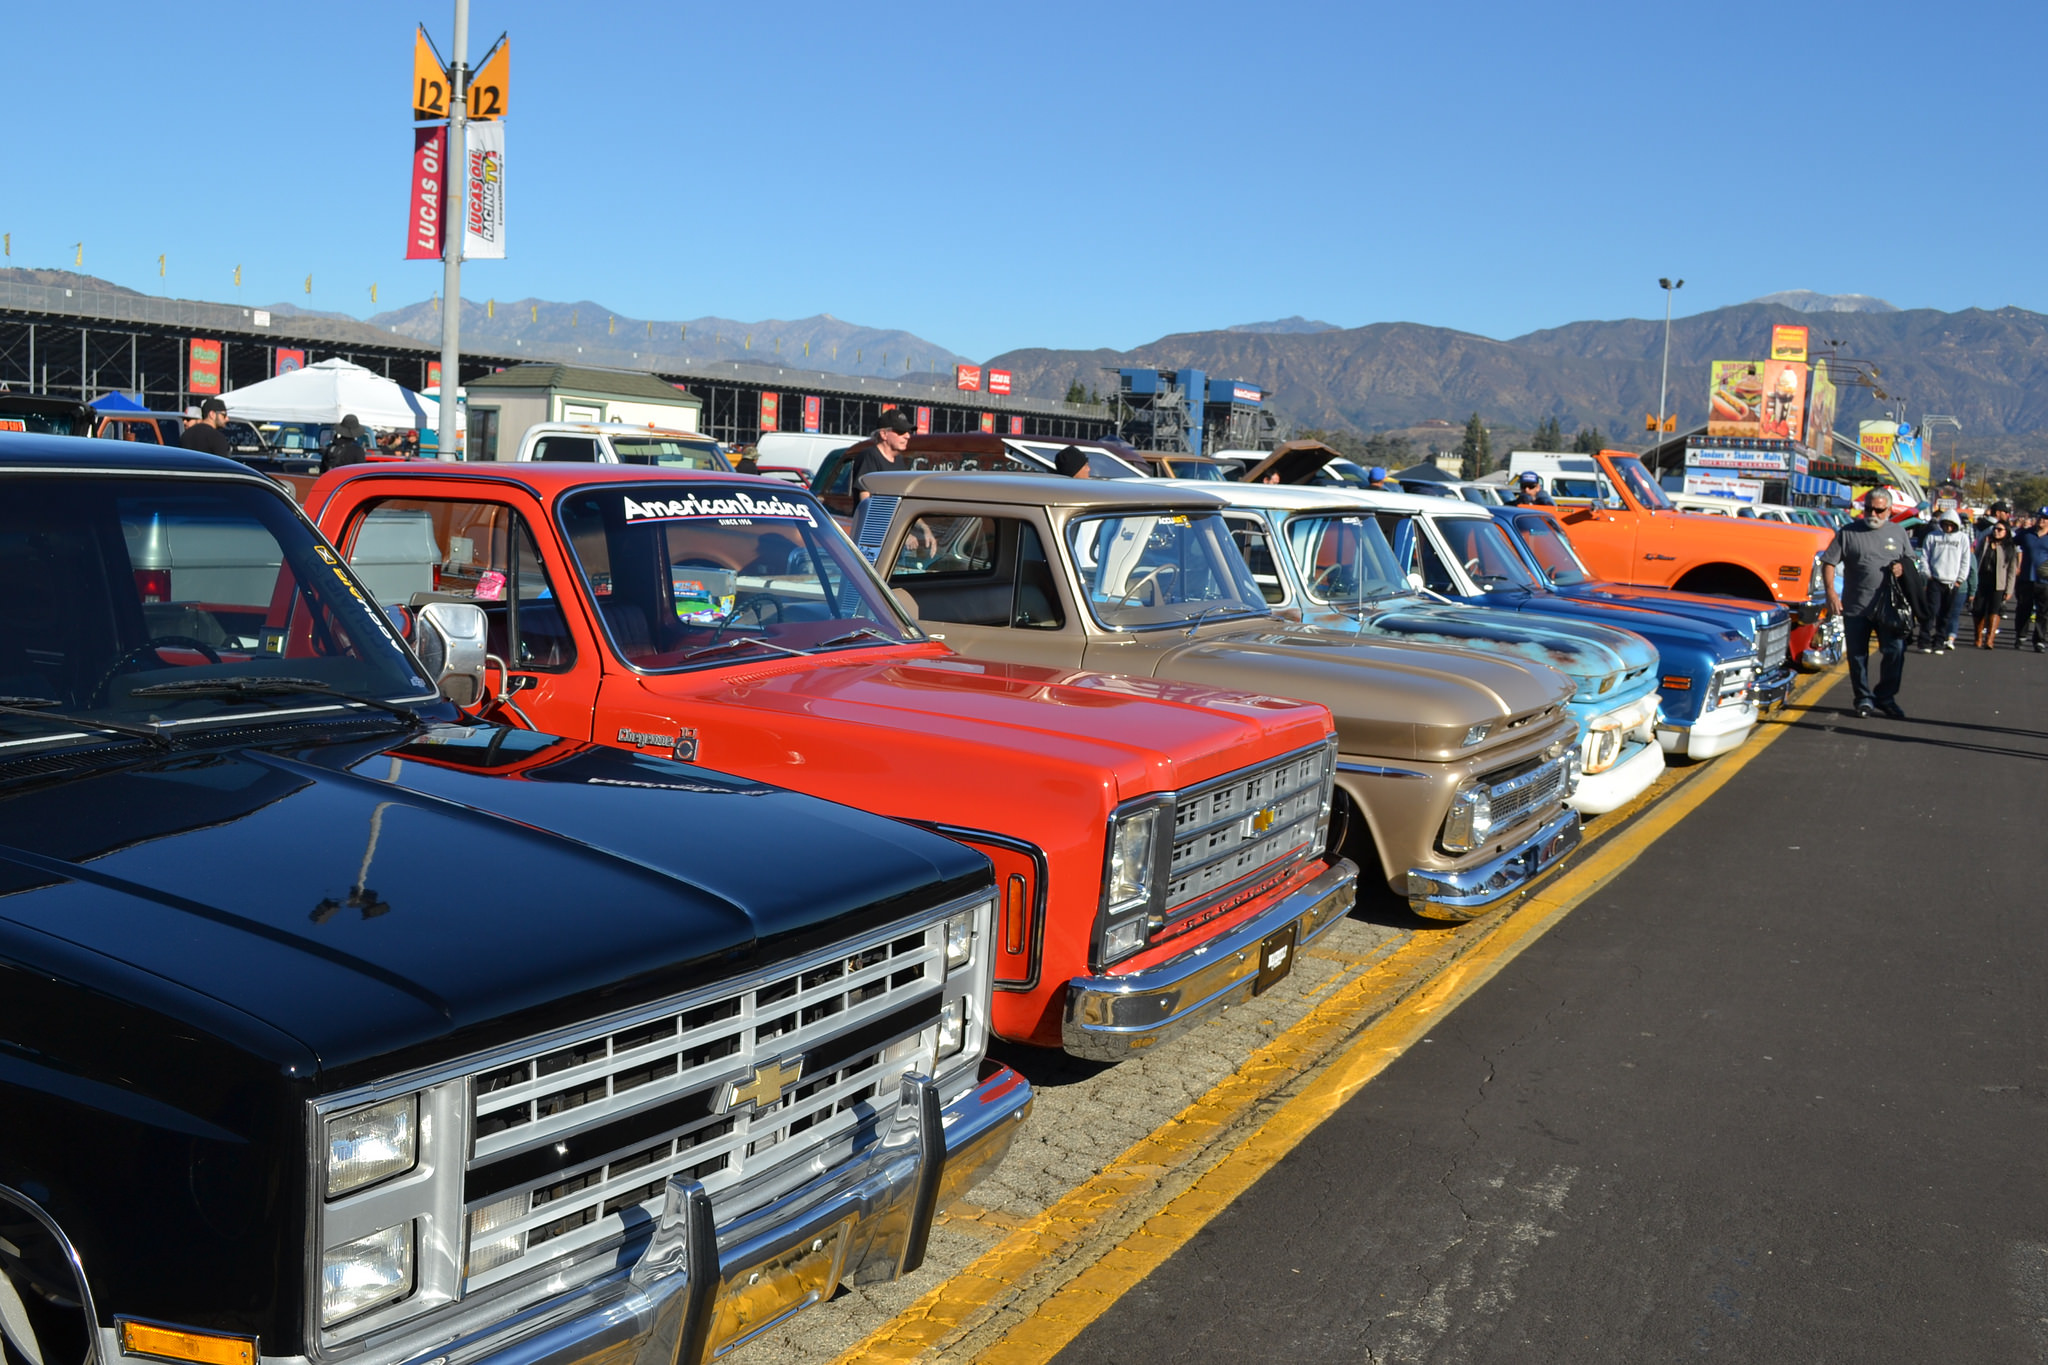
620, 443
1567, 478
803, 450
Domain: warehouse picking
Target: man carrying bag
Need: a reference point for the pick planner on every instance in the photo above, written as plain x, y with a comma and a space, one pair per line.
1872, 553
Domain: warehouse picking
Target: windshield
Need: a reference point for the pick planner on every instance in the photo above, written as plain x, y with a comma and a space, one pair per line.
1641, 486
1547, 546
670, 452
39, 421
1161, 569
1483, 548
1344, 558
113, 588
1190, 469
686, 575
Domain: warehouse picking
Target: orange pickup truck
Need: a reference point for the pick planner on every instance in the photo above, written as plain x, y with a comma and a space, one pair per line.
1646, 540
1159, 848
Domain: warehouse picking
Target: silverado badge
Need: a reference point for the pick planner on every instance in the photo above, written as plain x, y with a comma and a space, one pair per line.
765, 1086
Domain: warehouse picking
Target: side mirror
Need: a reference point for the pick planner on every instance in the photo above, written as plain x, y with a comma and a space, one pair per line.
401, 621
449, 637
1415, 581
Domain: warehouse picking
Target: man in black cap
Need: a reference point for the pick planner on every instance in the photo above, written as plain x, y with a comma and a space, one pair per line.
205, 435
1530, 493
892, 438
1072, 462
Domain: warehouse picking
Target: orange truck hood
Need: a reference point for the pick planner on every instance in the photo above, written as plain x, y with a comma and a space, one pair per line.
899, 719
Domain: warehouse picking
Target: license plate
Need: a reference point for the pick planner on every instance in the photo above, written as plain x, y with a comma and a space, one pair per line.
778, 1288
1276, 958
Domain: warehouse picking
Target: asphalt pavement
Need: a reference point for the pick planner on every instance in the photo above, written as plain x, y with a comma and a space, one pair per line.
1777, 1093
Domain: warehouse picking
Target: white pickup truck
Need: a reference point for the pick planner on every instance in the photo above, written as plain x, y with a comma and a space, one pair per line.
621, 443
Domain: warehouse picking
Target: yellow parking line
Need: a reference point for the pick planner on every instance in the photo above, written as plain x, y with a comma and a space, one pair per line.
1475, 954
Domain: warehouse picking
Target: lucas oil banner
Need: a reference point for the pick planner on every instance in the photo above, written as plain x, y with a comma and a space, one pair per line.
429, 193
483, 226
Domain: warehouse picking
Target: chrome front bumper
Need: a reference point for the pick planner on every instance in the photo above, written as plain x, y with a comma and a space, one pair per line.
1828, 647
1461, 893
1773, 687
1110, 1017
698, 1289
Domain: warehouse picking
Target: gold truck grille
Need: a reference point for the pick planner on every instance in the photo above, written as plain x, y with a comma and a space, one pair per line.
572, 1142
1234, 826
1518, 793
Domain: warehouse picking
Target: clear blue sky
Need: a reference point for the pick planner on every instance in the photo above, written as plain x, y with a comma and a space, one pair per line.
1056, 174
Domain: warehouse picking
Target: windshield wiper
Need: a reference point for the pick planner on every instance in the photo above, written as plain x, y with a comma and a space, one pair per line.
865, 632
258, 687
735, 644
39, 708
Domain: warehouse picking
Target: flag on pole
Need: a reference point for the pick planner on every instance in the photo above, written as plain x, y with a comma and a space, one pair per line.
483, 228
429, 193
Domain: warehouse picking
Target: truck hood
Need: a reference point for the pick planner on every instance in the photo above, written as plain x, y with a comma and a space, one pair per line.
1586, 653
1734, 613
389, 906
1668, 631
1148, 735
1390, 699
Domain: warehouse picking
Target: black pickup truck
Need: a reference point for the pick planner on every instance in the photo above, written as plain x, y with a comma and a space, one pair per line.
335, 1026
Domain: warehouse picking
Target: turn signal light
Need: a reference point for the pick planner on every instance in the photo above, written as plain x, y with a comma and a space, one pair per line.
175, 1343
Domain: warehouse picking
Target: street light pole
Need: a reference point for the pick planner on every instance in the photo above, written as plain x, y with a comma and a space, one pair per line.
1664, 384
452, 224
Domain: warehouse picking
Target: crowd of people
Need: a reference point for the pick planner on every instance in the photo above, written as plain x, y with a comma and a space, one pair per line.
1905, 584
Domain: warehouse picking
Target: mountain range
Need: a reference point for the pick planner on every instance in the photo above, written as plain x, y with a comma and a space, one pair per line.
1986, 368
555, 330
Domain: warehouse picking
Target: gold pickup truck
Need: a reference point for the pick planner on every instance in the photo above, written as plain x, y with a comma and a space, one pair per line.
1453, 765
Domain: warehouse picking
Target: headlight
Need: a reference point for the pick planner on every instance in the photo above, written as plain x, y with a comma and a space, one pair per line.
1470, 820
371, 1144
953, 1026
960, 940
1121, 940
365, 1273
1602, 746
1130, 861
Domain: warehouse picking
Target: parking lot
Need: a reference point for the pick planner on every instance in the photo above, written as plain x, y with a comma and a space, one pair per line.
1120, 1167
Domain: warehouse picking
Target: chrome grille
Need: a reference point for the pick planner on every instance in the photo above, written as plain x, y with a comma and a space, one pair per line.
1514, 796
1771, 644
569, 1141
1229, 828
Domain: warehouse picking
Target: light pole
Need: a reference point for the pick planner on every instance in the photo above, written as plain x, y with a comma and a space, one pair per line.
451, 237
1669, 287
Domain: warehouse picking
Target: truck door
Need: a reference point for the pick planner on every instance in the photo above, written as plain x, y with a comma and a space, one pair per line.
459, 547
986, 586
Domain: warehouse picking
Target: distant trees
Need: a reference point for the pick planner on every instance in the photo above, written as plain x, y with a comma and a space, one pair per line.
1076, 393
1547, 436
1475, 452
1589, 441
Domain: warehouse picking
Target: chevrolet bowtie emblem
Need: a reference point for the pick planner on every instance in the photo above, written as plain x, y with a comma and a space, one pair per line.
765, 1086
1263, 819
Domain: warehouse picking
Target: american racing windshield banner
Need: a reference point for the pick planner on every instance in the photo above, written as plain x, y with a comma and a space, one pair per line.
722, 504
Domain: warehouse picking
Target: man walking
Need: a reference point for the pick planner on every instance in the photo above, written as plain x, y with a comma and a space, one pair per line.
2033, 586
1947, 548
205, 434
1870, 550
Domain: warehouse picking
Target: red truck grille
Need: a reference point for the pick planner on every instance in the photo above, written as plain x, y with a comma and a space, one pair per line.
1230, 828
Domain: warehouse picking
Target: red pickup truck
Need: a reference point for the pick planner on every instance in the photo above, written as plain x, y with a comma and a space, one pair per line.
1160, 847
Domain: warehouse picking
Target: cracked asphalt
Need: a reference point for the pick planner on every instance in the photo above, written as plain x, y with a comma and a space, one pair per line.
1775, 1093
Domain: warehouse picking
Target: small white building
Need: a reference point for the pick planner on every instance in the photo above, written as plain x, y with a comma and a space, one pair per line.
503, 405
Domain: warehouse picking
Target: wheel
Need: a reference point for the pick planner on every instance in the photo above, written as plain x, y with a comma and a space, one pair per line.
148, 647
758, 603
1153, 583
1335, 581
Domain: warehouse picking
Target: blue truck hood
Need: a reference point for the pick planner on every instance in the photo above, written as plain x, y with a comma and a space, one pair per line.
1729, 613
1588, 654
1672, 633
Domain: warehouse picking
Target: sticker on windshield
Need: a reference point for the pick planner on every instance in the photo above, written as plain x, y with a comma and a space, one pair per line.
12, 424
736, 508
699, 604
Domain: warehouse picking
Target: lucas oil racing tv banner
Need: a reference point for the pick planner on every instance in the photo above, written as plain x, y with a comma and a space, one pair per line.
483, 225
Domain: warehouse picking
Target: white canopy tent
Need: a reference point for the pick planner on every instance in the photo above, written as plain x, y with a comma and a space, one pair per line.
327, 392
